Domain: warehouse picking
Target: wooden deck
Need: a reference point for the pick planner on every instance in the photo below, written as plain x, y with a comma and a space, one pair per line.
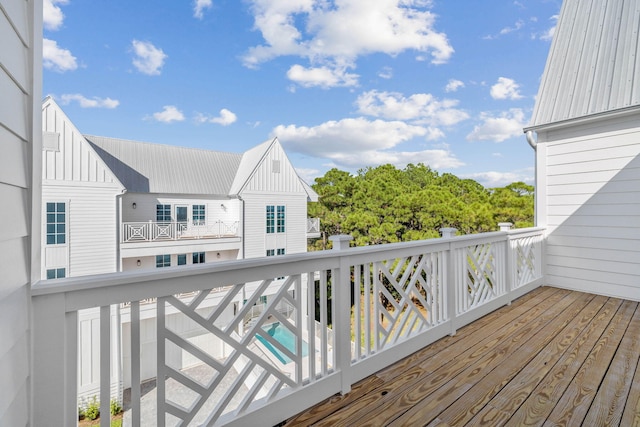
551, 358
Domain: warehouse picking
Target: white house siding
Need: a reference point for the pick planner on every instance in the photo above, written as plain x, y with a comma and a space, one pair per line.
228, 210
257, 241
589, 200
92, 230
19, 86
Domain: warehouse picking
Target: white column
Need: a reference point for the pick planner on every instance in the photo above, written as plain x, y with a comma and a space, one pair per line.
448, 232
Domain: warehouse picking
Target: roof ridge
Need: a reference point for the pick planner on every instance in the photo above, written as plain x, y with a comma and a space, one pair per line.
88, 137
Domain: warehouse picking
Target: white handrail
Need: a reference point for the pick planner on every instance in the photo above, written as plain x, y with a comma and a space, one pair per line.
405, 295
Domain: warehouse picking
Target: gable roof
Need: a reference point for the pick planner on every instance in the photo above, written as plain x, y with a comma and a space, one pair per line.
593, 63
153, 168
249, 163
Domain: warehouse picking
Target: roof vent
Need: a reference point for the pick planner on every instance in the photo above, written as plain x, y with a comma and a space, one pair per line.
50, 141
275, 166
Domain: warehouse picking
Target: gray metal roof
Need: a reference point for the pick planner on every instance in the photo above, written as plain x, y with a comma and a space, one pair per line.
155, 168
594, 62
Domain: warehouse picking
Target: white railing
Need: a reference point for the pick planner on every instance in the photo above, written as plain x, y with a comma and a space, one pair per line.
313, 226
403, 296
152, 231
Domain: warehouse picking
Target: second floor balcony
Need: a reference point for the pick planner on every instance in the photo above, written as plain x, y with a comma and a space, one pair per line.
327, 321
153, 231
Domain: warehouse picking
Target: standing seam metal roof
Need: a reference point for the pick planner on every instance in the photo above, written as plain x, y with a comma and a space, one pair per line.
593, 62
153, 168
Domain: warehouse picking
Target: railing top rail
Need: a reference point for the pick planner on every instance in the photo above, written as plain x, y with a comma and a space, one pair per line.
115, 288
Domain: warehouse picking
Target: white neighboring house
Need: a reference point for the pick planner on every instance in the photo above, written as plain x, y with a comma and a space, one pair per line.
117, 205
587, 120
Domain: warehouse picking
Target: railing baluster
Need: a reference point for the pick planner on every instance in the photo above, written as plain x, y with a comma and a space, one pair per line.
135, 364
160, 364
105, 365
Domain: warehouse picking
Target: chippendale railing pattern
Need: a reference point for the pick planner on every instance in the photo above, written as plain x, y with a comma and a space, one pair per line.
153, 231
326, 320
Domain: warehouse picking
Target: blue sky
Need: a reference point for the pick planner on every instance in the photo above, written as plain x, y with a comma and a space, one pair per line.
341, 83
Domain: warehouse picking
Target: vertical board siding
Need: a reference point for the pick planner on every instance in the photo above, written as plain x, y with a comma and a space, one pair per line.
592, 207
16, 99
75, 160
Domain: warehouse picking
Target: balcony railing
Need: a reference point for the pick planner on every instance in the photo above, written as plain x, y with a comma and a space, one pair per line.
403, 296
313, 227
153, 231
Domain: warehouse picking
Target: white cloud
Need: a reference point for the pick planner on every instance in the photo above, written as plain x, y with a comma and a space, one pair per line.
225, 118
453, 85
548, 34
507, 125
518, 25
57, 59
324, 77
334, 33
385, 73
505, 88
169, 114
308, 175
357, 143
493, 179
421, 108
199, 6
94, 102
52, 16
148, 58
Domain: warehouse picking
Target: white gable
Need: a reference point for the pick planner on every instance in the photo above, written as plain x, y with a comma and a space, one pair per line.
274, 173
66, 155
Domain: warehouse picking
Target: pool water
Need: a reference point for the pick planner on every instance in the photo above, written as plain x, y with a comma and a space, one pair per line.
284, 337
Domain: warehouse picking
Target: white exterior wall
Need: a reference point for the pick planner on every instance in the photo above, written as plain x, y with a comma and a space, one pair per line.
92, 230
20, 77
74, 174
257, 241
276, 183
589, 200
216, 209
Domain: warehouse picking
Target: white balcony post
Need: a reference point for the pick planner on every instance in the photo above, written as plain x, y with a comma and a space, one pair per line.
448, 232
450, 287
341, 316
509, 272
505, 226
55, 362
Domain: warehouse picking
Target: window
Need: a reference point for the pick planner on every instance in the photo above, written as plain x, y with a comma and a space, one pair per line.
271, 252
182, 259
56, 273
280, 219
163, 213
271, 219
198, 214
163, 261
281, 251
56, 224
198, 257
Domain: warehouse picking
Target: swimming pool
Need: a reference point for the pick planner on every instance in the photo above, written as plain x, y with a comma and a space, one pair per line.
286, 338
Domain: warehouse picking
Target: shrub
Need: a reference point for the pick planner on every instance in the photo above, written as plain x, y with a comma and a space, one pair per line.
92, 410
114, 407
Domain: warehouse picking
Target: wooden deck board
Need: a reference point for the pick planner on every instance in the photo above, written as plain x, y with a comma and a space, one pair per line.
554, 357
447, 364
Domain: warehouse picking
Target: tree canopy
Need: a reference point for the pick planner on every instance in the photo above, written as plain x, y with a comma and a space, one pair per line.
384, 204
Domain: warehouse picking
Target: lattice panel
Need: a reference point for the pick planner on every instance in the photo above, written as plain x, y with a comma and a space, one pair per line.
397, 299
526, 249
230, 366
480, 275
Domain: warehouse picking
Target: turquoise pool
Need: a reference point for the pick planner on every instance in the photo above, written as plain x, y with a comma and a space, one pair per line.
284, 337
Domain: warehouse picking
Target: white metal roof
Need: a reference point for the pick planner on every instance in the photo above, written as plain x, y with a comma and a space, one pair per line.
153, 168
594, 62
